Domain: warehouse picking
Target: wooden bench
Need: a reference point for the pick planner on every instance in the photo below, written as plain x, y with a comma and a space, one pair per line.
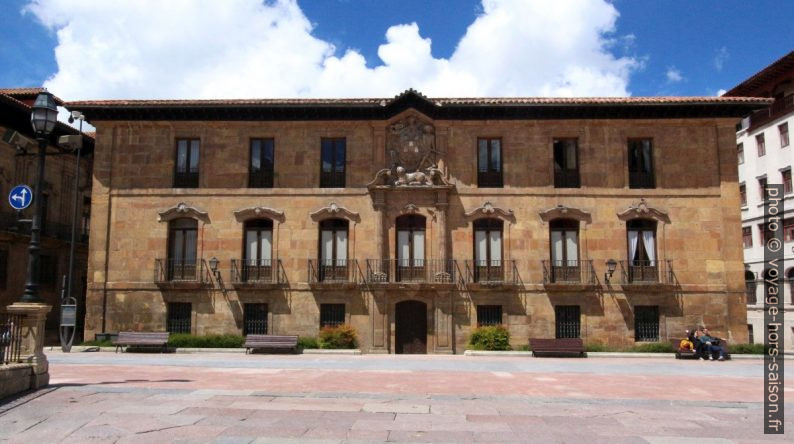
690, 354
557, 347
253, 342
141, 339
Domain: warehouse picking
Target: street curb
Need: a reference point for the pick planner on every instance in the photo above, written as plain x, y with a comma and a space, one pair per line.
317, 351
607, 354
87, 348
497, 353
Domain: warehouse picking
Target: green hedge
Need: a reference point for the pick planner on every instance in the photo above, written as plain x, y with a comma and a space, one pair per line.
343, 336
95, 343
490, 338
746, 349
183, 340
653, 347
305, 342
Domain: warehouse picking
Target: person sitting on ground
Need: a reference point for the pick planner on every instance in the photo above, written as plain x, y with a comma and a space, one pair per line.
712, 345
687, 344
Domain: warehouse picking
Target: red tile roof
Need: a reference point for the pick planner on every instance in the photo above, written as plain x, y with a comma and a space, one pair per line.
27, 94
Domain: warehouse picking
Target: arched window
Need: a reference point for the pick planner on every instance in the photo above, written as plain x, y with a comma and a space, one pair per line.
750, 285
333, 250
182, 243
258, 250
564, 235
410, 247
488, 264
642, 262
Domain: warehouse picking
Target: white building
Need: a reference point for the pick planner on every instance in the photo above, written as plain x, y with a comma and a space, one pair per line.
765, 157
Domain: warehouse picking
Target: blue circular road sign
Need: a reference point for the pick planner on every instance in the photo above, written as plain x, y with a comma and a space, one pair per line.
20, 197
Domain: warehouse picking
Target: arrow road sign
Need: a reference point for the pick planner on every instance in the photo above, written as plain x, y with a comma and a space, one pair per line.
20, 197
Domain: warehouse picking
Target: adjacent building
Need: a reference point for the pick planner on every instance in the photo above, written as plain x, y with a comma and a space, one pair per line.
18, 165
417, 219
765, 157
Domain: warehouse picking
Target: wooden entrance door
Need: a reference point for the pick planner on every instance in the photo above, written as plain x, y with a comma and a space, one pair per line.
410, 327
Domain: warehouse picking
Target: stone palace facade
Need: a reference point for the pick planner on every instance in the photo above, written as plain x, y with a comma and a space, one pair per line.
415, 219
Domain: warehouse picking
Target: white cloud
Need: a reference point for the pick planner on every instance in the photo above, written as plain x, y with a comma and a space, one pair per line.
720, 58
250, 48
673, 75
720, 92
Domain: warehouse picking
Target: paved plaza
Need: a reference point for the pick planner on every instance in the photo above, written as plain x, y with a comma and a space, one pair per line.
231, 398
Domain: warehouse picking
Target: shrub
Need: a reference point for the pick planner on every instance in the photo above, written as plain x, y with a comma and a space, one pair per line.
490, 338
342, 336
747, 349
95, 343
305, 342
184, 340
596, 347
653, 347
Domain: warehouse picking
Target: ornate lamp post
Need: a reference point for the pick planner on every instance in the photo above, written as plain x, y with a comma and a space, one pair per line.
43, 118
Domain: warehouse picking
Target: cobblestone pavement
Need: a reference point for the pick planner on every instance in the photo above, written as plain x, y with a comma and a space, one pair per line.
231, 398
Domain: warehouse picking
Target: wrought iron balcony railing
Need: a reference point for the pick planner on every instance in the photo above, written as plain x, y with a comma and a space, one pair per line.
641, 180
647, 272
569, 272
566, 179
173, 271
418, 271
493, 272
258, 272
779, 108
338, 271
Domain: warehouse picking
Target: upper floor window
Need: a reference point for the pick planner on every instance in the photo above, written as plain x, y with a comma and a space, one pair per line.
642, 249
333, 250
182, 245
489, 163
641, 164
766, 233
410, 247
260, 173
788, 230
786, 176
740, 153
760, 144
747, 237
564, 250
762, 188
186, 174
749, 286
333, 154
488, 250
566, 163
783, 129
257, 261
743, 194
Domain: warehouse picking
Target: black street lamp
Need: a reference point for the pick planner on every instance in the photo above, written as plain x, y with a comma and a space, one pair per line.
43, 118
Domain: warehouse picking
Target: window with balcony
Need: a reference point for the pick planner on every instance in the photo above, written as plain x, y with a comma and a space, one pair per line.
566, 163
783, 130
567, 321
260, 172
178, 317
254, 319
760, 144
743, 195
749, 286
646, 323
786, 179
182, 242
564, 250
410, 247
641, 164
332, 174
740, 153
642, 250
747, 237
762, 188
489, 163
257, 263
488, 264
333, 263
186, 173
489, 315
332, 315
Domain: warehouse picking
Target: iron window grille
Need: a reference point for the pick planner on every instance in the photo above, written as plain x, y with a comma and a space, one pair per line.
567, 320
332, 315
489, 315
254, 319
178, 317
646, 323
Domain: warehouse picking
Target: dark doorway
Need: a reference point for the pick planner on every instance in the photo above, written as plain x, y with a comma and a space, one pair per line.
410, 327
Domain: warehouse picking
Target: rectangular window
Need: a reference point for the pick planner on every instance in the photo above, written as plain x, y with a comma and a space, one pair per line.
566, 163
254, 319
743, 195
740, 152
750, 334
786, 181
762, 188
332, 315
760, 144
3, 269
641, 164
788, 233
260, 172
489, 163
747, 237
646, 323
567, 321
186, 174
178, 317
783, 128
332, 174
489, 315
48, 270
766, 233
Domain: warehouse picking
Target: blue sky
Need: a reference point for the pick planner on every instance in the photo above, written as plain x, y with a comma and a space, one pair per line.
331, 47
